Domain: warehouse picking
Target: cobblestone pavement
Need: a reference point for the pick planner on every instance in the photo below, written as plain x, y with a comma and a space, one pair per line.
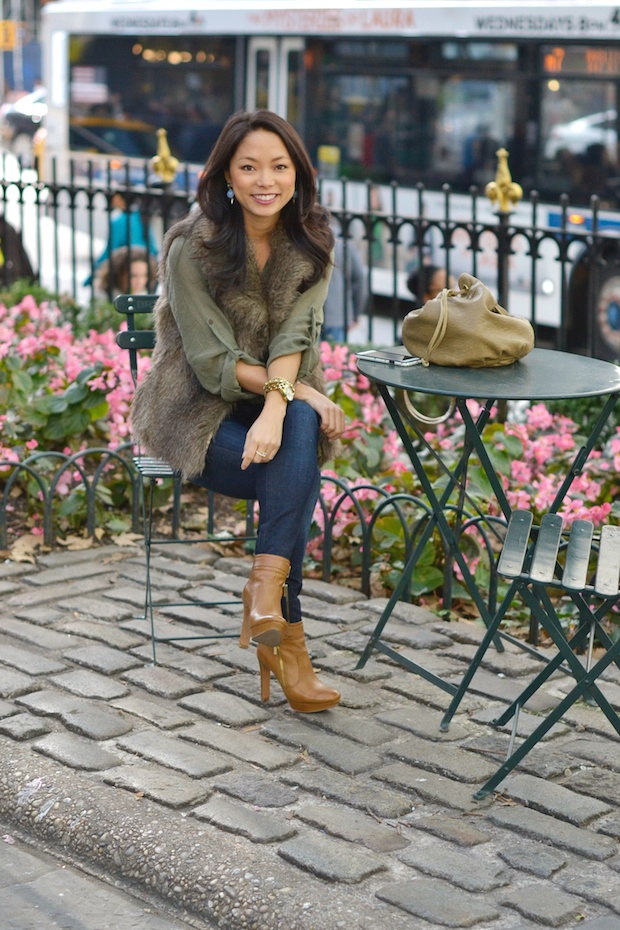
176, 780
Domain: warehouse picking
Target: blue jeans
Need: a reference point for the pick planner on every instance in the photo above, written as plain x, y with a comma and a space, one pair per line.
334, 333
286, 488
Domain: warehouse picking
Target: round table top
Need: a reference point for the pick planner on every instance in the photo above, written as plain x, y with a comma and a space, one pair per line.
544, 374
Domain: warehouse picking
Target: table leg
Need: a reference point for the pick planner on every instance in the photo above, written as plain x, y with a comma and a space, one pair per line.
438, 506
584, 684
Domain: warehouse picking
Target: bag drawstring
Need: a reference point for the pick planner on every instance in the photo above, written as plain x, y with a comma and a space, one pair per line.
440, 329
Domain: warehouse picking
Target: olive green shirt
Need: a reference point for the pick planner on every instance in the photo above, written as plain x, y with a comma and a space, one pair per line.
208, 339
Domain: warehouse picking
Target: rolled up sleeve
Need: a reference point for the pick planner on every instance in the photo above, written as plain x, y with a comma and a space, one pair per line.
208, 340
301, 331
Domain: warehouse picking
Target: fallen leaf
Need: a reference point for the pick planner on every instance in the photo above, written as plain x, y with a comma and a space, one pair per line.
74, 543
26, 547
127, 539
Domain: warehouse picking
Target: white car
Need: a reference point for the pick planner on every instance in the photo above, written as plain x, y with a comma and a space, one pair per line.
575, 136
20, 120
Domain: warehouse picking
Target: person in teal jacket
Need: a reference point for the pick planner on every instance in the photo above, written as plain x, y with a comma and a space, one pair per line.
127, 228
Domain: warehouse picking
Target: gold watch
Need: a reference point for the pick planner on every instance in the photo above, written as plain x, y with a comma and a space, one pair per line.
285, 388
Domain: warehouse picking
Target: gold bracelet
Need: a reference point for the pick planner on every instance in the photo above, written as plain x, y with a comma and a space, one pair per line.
285, 388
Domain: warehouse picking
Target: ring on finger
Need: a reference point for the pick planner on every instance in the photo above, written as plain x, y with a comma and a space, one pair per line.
262, 454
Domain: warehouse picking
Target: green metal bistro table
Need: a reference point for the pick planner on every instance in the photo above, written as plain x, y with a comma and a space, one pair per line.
542, 375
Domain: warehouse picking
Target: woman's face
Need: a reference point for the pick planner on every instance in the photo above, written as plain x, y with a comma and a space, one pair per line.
438, 282
263, 175
138, 277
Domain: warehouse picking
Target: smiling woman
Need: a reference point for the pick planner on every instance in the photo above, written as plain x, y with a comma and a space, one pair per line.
235, 398
262, 179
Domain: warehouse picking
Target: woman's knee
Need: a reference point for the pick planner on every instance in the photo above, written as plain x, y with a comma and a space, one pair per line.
301, 423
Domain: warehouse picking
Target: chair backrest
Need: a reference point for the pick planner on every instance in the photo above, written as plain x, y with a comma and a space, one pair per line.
132, 338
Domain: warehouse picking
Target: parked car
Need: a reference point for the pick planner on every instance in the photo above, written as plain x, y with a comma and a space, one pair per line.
577, 135
101, 148
111, 136
20, 119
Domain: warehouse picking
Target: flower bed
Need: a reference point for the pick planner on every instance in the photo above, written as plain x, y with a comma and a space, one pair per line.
63, 391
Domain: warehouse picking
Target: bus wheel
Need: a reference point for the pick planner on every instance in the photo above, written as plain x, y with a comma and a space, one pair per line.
606, 309
607, 315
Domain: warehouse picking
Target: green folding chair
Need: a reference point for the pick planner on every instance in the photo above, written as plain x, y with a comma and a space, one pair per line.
585, 565
152, 470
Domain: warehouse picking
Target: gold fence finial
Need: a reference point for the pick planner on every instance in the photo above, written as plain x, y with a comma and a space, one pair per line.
503, 189
164, 163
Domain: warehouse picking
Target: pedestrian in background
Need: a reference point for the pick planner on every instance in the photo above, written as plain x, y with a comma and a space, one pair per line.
127, 271
14, 261
347, 293
234, 399
427, 281
127, 228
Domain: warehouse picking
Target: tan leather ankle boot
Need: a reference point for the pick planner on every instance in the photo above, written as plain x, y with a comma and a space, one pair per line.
291, 665
262, 601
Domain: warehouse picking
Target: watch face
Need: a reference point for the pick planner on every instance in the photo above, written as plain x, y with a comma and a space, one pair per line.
289, 393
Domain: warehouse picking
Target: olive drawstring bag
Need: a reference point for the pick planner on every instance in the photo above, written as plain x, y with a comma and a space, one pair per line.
465, 327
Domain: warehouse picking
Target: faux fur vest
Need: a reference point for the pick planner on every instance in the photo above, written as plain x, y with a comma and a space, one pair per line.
173, 416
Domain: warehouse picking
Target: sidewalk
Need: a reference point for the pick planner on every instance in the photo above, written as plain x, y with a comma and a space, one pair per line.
42, 892
176, 780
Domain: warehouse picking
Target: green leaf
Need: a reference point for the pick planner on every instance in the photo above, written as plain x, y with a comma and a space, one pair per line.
500, 459
514, 446
117, 525
50, 403
12, 362
479, 481
72, 423
348, 406
87, 373
98, 411
22, 382
425, 580
72, 504
75, 393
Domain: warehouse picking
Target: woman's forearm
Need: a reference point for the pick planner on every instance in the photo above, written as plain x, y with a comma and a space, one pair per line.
253, 377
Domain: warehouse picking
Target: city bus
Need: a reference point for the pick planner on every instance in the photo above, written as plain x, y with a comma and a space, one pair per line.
409, 91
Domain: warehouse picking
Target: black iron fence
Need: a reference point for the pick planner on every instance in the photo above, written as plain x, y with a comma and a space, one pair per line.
555, 265
55, 491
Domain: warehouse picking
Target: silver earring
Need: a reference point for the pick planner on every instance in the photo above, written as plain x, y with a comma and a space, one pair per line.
295, 196
230, 193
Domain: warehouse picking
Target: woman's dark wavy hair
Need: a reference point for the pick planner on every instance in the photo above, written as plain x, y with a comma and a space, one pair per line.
305, 221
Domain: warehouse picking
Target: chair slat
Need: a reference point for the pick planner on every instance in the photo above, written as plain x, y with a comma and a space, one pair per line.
515, 545
152, 467
546, 551
608, 568
575, 576
135, 303
136, 339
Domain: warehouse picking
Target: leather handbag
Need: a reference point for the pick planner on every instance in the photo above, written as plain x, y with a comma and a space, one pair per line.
465, 327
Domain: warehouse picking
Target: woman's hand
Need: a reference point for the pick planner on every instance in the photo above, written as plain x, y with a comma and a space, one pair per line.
264, 437
332, 416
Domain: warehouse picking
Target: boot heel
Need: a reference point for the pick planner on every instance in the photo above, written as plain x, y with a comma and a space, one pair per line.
244, 636
265, 681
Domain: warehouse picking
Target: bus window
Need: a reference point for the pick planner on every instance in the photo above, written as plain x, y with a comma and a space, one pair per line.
183, 84
476, 119
579, 144
411, 127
